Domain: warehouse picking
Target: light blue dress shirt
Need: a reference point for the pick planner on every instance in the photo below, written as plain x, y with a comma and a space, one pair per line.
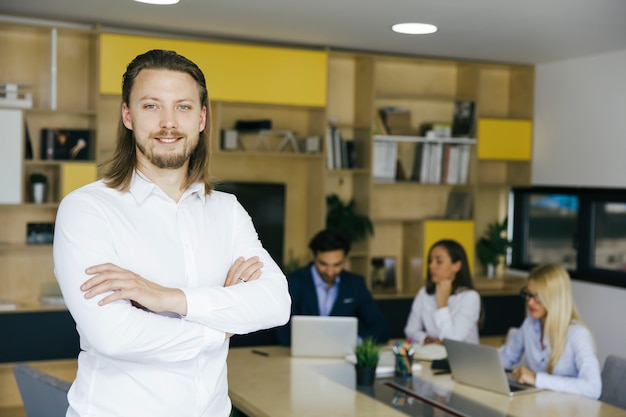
577, 371
326, 297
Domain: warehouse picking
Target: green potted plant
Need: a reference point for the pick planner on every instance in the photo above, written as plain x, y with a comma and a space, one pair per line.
367, 354
343, 216
492, 246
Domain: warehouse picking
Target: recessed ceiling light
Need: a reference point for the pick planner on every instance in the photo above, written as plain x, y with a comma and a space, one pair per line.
414, 28
159, 2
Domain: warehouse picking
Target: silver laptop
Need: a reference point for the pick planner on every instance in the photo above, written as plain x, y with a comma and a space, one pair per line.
480, 366
323, 336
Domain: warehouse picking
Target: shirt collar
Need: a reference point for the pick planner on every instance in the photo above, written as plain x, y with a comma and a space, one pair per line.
141, 187
319, 281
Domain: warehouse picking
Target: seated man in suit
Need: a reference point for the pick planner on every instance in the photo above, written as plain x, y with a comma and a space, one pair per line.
324, 288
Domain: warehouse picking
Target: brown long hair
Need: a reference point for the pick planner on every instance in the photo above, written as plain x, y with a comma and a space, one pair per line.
118, 169
463, 278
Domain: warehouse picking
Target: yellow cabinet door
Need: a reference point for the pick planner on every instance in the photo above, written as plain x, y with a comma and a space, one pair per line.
505, 139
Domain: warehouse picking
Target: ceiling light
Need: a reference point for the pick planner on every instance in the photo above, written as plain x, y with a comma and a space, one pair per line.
158, 2
414, 28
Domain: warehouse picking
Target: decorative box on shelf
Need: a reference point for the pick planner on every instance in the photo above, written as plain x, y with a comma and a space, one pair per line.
13, 95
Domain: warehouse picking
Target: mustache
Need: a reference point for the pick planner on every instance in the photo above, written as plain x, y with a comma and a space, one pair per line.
166, 132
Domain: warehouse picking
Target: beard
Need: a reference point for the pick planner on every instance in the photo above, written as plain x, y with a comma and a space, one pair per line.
166, 160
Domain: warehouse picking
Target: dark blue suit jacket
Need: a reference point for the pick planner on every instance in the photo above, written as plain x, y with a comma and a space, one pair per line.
353, 300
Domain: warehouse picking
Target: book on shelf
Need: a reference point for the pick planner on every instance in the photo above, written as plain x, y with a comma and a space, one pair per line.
464, 119
340, 151
379, 127
440, 162
459, 205
330, 159
385, 157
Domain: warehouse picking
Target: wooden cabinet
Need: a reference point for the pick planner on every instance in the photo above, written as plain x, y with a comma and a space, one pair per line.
403, 210
300, 91
57, 66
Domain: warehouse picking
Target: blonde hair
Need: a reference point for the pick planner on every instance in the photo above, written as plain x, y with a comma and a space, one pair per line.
553, 286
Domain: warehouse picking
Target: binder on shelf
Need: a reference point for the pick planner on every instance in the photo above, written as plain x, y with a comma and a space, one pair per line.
385, 156
330, 159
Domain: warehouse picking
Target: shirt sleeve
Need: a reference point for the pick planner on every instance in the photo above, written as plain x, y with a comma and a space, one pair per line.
588, 381
457, 323
511, 353
414, 327
239, 309
83, 238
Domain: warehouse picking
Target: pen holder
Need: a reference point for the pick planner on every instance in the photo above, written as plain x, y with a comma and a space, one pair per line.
404, 364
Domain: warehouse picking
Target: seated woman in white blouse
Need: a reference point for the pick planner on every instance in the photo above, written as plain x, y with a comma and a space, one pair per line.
447, 306
558, 349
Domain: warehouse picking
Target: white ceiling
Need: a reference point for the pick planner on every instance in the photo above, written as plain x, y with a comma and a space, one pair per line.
521, 31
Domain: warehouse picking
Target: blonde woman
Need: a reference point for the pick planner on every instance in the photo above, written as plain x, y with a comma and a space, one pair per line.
558, 348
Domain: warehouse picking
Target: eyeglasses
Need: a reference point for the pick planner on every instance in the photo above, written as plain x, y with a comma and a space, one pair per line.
527, 295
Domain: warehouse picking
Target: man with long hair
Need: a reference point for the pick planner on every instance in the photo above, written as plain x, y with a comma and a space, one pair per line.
158, 269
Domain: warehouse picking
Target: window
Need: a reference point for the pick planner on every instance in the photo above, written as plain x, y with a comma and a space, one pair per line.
584, 229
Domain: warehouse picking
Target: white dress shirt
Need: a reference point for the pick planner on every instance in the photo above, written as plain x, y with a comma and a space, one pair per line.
138, 363
458, 321
577, 371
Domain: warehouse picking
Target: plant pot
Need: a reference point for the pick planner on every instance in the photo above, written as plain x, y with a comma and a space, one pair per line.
39, 192
365, 375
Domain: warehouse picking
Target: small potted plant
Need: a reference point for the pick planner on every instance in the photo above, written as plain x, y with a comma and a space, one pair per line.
492, 246
342, 216
367, 354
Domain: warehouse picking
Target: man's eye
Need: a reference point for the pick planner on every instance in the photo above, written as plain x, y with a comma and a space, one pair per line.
185, 106
150, 106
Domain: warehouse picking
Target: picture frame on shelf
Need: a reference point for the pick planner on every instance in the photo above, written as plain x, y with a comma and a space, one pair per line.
66, 144
383, 278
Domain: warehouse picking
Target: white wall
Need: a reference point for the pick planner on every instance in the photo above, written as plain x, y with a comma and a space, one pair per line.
580, 122
580, 140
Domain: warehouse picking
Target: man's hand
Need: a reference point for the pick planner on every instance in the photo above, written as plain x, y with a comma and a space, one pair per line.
246, 269
126, 285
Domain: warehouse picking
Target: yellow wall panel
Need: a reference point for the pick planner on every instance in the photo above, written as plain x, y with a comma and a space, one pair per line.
460, 230
504, 139
77, 174
234, 72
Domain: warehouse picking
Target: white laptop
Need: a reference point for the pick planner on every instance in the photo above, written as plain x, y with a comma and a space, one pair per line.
480, 366
323, 336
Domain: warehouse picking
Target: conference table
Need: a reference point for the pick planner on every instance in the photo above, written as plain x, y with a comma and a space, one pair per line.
267, 382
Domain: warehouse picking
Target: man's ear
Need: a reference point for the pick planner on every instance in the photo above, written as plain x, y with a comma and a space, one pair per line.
126, 117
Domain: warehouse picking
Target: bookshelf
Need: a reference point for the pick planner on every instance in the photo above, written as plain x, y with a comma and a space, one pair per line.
57, 64
403, 207
341, 89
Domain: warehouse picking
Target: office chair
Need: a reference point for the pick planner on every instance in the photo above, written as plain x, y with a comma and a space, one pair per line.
613, 377
43, 395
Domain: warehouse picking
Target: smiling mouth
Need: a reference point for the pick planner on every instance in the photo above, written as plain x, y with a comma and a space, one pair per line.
167, 140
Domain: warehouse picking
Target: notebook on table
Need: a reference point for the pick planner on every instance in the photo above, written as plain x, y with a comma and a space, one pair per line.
480, 366
323, 336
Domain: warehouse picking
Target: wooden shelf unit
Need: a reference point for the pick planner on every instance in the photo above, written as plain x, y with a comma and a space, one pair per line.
428, 88
349, 88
